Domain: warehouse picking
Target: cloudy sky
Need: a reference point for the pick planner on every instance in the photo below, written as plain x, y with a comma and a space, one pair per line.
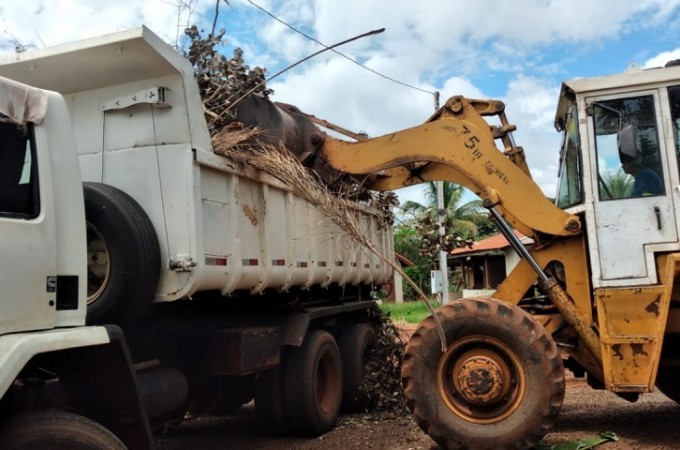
515, 51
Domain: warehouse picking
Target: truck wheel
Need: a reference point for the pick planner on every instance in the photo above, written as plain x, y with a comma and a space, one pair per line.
56, 430
313, 378
499, 384
269, 400
123, 256
356, 344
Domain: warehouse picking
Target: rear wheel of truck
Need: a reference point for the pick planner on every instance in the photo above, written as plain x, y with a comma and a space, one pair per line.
313, 384
356, 344
123, 256
56, 430
499, 383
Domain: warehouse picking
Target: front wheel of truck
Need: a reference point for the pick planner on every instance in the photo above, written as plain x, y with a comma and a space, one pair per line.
499, 383
56, 430
123, 256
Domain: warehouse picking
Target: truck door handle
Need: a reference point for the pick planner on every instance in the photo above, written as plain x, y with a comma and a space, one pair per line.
657, 213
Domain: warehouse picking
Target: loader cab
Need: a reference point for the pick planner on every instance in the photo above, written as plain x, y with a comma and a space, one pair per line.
619, 170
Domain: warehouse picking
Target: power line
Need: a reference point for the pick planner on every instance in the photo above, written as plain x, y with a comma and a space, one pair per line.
436, 94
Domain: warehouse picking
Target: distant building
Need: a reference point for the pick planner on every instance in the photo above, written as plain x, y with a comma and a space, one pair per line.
477, 271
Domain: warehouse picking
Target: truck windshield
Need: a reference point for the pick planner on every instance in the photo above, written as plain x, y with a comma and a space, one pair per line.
569, 191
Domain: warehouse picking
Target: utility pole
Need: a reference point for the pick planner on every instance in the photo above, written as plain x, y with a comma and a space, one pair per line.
443, 266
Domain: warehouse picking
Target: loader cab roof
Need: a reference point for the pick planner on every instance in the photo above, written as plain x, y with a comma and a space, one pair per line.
633, 79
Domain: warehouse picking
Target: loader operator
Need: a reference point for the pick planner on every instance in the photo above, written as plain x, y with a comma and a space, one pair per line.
647, 182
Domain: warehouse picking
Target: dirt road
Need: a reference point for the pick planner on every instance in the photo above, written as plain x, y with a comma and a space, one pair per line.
653, 423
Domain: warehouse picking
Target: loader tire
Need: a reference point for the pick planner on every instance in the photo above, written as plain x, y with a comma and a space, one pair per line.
56, 430
499, 384
123, 256
668, 375
313, 380
356, 344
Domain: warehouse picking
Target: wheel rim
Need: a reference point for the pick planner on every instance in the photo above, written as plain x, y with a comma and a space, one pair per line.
326, 386
98, 264
481, 379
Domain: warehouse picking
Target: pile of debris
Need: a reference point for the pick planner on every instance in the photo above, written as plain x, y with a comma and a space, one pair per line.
236, 96
382, 379
221, 80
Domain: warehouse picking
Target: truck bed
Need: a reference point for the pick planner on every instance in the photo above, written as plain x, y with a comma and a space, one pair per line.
139, 126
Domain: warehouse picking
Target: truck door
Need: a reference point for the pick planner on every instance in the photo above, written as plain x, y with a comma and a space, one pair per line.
27, 259
633, 207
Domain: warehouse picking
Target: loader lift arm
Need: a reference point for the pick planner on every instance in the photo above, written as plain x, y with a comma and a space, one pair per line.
457, 144
424, 153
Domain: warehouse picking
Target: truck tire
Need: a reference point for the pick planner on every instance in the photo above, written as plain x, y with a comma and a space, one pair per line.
499, 384
123, 256
313, 381
270, 401
56, 430
356, 343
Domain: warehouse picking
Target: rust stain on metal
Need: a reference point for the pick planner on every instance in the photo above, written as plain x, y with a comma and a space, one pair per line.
654, 307
251, 213
638, 350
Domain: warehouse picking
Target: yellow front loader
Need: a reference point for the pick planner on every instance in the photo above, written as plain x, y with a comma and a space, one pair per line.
605, 256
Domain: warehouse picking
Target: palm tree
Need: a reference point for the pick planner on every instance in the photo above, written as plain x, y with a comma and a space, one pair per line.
616, 185
464, 219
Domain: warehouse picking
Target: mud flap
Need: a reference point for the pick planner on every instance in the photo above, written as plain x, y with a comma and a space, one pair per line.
99, 382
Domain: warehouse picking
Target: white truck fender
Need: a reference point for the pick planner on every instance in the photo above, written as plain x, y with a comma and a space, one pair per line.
17, 349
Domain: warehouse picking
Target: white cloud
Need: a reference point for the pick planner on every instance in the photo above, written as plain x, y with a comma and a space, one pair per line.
661, 59
530, 104
43, 23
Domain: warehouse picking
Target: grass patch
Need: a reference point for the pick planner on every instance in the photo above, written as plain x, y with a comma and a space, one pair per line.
409, 312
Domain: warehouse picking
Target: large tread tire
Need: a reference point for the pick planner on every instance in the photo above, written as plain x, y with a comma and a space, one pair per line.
124, 259
668, 376
270, 401
313, 380
668, 382
459, 397
356, 343
56, 430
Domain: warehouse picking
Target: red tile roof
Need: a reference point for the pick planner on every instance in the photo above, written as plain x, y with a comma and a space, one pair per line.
496, 242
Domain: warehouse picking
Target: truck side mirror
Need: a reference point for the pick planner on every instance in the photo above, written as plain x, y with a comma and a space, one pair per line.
627, 143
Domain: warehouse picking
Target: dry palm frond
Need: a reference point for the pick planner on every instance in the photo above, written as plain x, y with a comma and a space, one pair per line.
280, 163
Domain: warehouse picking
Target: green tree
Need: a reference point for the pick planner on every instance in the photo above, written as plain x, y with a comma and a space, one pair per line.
407, 242
462, 221
618, 185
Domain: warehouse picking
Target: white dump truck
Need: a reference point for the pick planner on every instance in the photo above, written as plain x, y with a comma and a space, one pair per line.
221, 285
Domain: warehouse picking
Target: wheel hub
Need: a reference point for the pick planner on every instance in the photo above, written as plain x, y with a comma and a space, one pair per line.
480, 380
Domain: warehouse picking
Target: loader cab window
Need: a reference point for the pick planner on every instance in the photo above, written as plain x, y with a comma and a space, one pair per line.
569, 191
18, 170
627, 146
674, 99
